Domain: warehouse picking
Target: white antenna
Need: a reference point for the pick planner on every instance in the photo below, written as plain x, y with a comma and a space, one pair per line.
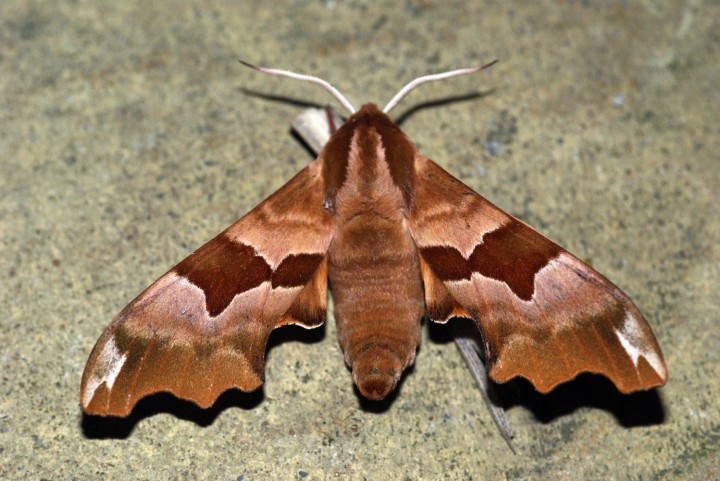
430, 78
336, 93
305, 78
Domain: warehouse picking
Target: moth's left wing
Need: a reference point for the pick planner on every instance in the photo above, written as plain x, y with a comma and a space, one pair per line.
543, 314
202, 327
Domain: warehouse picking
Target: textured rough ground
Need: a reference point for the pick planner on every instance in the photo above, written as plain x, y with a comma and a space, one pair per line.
129, 135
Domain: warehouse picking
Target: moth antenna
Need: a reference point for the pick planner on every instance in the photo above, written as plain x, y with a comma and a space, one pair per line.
430, 78
305, 78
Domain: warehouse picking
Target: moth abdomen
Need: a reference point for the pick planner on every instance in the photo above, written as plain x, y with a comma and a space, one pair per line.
378, 297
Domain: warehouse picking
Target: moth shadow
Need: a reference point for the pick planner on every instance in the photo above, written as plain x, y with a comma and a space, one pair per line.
280, 98
100, 427
644, 408
307, 147
293, 333
440, 102
289, 101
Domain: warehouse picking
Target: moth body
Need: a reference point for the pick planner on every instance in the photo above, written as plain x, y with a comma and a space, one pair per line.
373, 264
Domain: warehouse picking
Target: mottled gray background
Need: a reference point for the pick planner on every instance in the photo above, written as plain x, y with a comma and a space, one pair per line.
130, 135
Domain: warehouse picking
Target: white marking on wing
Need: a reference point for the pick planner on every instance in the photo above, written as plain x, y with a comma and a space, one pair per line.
632, 340
108, 365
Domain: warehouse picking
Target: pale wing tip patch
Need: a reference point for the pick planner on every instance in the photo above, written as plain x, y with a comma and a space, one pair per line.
106, 368
634, 341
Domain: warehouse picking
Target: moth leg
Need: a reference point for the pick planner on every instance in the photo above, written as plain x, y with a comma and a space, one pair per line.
470, 350
314, 126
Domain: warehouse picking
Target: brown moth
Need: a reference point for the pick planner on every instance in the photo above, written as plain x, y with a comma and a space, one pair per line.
398, 238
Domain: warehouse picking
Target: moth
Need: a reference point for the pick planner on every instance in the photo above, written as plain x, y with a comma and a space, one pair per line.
395, 238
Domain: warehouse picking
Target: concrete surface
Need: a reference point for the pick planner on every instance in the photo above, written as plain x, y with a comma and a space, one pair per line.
130, 135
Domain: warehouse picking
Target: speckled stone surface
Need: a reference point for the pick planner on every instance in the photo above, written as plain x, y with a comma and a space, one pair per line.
129, 135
